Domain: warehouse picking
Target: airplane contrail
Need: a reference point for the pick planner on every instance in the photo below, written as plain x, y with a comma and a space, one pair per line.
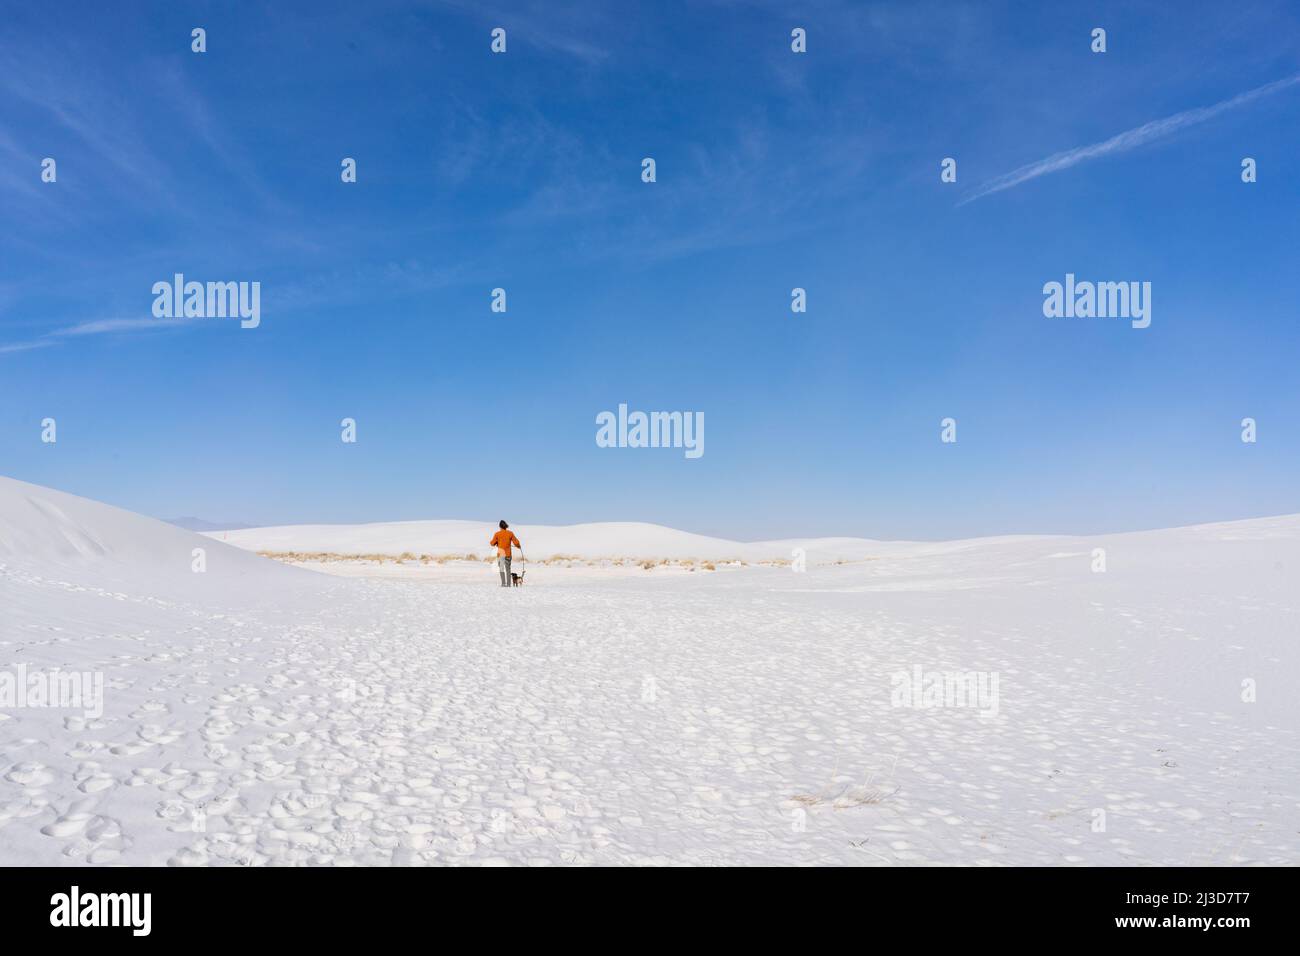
1129, 139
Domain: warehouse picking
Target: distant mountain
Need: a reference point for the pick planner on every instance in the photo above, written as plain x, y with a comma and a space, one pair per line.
190, 523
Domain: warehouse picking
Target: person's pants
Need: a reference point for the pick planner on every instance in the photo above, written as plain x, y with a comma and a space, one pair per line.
503, 565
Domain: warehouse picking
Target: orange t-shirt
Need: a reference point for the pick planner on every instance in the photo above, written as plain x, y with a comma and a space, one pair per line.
502, 539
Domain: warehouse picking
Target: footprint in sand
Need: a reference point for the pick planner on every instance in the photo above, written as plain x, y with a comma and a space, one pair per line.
72, 822
102, 841
155, 734
30, 774
91, 779
150, 708
78, 724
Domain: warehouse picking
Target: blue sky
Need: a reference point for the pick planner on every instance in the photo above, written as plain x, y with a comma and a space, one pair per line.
775, 170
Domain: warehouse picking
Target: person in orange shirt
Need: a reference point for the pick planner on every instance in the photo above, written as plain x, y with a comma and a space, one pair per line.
502, 541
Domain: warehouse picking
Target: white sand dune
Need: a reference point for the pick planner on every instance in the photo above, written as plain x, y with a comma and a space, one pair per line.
628, 539
41, 528
258, 714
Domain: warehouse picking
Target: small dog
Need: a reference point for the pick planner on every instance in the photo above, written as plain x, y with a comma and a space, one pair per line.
517, 580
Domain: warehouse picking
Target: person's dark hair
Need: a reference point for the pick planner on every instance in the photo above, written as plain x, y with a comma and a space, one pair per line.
503, 525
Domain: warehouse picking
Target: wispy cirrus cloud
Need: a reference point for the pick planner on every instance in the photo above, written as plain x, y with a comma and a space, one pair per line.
95, 327
552, 27
100, 326
25, 346
1129, 139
